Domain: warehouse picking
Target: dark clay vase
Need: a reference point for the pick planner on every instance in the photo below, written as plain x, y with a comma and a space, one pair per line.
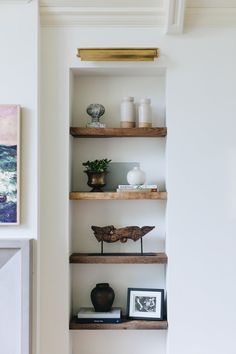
102, 297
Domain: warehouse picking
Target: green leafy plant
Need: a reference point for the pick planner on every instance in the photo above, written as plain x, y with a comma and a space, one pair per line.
97, 165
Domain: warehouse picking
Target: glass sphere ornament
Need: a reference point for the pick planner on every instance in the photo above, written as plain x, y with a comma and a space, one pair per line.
95, 111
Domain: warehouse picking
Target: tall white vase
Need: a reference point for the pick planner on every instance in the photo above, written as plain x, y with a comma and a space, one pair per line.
127, 113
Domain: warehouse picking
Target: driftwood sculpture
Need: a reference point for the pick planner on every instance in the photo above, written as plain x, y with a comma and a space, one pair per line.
111, 234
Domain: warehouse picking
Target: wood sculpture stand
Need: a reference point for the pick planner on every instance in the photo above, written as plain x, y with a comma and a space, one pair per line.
110, 234
124, 254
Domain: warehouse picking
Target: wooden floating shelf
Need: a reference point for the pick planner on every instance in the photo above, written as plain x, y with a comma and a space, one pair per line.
125, 324
117, 132
129, 258
117, 195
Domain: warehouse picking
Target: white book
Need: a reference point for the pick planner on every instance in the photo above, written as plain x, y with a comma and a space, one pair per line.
90, 313
131, 186
137, 190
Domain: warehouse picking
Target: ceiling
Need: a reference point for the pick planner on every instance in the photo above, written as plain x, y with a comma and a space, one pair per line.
103, 3
137, 3
103, 12
210, 3
168, 15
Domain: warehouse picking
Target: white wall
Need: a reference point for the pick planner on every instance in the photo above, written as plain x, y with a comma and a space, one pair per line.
19, 85
201, 208
61, 44
201, 109
201, 175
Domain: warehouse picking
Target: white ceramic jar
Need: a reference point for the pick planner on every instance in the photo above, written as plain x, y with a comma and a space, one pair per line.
127, 113
145, 113
136, 176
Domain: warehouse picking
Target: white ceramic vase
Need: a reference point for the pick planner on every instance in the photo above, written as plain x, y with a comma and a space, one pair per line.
127, 113
136, 176
145, 113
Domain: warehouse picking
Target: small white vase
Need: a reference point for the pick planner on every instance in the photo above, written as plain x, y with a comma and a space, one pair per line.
127, 113
136, 176
145, 113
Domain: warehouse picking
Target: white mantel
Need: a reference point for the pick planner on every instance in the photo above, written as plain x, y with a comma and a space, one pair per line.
15, 296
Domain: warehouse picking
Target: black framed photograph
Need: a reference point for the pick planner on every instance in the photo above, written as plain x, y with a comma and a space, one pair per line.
145, 304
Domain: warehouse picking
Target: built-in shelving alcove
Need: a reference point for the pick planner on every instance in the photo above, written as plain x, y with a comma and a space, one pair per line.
108, 84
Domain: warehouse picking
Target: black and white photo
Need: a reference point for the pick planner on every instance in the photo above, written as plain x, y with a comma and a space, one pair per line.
145, 303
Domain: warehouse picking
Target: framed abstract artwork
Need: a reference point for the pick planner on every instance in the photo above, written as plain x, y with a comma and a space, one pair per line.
9, 164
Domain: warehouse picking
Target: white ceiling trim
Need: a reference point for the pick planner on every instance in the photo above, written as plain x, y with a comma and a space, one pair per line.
12, 2
96, 16
102, 3
168, 15
211, 3
197, 17
175, 16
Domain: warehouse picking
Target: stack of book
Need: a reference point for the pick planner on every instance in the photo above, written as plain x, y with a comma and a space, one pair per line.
88, 315
137, 188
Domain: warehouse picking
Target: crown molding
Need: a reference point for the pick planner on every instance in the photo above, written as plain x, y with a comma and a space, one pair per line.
210, 17
171, 15
102, 3
210, 3
175, 16
102, 17
14, 2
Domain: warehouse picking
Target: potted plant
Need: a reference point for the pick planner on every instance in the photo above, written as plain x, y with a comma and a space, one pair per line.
96, 171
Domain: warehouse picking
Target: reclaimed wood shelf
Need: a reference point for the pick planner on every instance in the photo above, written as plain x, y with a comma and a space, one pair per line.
117, 195
122, 258
125, 324
79, 132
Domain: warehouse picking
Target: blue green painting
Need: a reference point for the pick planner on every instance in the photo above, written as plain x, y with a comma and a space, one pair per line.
9, 164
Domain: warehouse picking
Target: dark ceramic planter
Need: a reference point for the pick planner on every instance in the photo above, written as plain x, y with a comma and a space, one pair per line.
102, 297
96, 180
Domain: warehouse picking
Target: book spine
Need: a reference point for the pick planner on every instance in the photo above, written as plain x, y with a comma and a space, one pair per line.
137, 190
146, 186
99, 320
